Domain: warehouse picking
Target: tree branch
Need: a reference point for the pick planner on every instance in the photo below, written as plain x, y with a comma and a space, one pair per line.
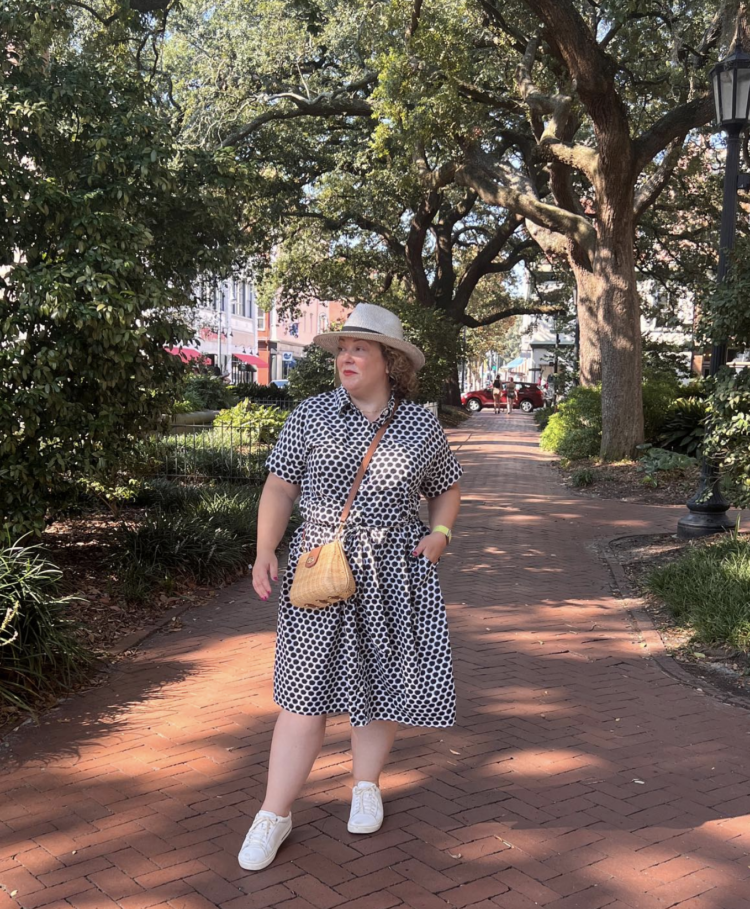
513, 191
648, 192
416, 12
672, 125
482, 261
320, 106
543, 309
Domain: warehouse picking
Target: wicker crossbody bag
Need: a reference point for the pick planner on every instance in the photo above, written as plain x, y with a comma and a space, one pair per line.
323, 575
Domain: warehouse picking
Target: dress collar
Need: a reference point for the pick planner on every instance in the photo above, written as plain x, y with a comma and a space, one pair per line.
346, 405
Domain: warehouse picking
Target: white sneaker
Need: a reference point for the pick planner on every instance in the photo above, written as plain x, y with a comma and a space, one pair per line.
367, 809
263, 839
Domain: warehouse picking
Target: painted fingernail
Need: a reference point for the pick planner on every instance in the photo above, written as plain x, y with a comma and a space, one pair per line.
275, 578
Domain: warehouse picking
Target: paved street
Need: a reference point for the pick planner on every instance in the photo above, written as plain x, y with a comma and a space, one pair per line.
579, 775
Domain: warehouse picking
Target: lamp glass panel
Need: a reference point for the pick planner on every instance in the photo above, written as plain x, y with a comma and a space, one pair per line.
717, 96
726, 87
743, 94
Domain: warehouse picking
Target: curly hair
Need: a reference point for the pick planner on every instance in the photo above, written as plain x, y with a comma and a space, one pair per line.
401, 372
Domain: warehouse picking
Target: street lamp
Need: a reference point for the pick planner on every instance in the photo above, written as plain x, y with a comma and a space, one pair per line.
707, 510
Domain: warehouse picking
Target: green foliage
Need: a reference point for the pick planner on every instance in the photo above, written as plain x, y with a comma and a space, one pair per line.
219, 453
39, 652
656, 460
542, 416
313, 374
106, 223
660, 389
574, 431
260, 393
257, 422
582, 478
684, 425
451, 417
726, 315
727, 438
708, 589
203, 392
206, 534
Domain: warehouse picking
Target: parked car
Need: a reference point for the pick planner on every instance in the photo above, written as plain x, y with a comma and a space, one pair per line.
528, 397
280, 383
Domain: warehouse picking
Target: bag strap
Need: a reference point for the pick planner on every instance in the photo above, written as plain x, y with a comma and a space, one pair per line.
363, 467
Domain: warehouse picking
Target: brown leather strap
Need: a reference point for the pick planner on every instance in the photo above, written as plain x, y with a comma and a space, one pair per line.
364, 465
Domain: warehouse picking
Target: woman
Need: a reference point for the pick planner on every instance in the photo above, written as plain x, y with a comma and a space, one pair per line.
497, 394
382, 656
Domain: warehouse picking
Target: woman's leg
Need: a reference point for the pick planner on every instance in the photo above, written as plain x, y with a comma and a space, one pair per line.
371, 746
297, 741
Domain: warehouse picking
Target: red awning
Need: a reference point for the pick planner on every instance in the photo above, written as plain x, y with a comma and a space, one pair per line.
252, 360
185, 353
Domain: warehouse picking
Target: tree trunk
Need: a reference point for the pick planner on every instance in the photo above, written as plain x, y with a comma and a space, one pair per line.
587, 310
620, 333
452, 389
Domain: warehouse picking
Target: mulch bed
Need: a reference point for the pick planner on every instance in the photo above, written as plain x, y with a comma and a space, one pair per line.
624, 480
721, 667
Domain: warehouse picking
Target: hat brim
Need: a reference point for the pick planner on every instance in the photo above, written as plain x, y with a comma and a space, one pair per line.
330, 342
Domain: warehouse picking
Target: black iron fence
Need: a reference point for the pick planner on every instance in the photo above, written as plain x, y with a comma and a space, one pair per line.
205, 453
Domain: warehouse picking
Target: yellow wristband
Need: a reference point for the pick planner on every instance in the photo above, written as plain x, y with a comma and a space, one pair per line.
443, 529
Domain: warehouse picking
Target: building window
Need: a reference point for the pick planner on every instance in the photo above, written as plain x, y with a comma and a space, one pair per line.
261, 320
235, 297
322, 323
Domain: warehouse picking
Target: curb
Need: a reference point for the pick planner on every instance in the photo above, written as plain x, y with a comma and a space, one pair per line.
635, 607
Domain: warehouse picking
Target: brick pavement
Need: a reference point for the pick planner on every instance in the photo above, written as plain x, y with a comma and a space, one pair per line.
579, 776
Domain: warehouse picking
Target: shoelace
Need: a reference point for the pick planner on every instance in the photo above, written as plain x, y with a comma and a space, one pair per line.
261, 831
366, 800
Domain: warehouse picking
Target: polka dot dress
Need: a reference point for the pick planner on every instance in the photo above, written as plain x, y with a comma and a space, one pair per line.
384, 654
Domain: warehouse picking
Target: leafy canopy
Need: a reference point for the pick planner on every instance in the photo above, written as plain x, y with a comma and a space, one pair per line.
106, 222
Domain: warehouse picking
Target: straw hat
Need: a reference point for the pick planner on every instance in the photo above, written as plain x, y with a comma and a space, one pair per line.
372, 323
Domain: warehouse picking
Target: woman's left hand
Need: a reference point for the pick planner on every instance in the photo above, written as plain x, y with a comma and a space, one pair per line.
432, 546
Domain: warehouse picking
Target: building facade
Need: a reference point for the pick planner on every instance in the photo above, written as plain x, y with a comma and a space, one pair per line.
246, 343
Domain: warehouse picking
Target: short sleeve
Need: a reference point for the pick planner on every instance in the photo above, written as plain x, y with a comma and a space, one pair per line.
443, 469
288, 460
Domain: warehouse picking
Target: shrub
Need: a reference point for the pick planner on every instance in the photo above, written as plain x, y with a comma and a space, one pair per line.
206, 533
657, 460
263, 393
659, 391
39, 652
204, 392
708, 589
574, 431
256, 422
727, 438
582, 478
313, 374
684, 425
542, 416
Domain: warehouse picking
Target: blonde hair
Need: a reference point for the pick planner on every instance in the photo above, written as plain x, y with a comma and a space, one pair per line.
401, 372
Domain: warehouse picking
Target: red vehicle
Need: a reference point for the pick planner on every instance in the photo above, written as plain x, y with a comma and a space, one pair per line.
528, 397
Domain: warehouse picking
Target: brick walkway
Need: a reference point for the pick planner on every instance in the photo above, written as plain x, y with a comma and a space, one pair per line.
580, 776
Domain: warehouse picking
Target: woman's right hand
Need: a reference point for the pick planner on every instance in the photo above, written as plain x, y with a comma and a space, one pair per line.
265, 569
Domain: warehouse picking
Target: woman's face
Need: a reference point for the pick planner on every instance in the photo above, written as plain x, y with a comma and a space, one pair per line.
361, 366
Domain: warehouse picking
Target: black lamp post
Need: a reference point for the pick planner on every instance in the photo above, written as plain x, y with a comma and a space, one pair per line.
707, 510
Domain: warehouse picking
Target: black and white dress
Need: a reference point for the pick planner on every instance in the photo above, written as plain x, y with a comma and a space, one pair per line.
385, 653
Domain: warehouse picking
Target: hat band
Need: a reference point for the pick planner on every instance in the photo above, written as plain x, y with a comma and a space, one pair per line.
370, 331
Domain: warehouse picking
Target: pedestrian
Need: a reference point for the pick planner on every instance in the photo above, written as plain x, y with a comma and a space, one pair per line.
383, 655
510, 396
497, 394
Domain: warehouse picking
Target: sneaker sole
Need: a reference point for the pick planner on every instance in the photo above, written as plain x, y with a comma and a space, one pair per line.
259, 866
361, 828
